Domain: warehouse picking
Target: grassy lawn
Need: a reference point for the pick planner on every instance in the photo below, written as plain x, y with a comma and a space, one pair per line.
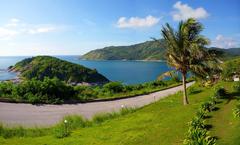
163, 122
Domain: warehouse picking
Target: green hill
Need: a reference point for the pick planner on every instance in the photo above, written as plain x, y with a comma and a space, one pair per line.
149, 50
226, 54
47, 66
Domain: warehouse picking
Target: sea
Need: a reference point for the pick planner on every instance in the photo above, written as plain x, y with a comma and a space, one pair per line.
125, 71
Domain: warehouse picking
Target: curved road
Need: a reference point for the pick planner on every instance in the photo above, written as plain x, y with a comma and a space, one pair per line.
45, 115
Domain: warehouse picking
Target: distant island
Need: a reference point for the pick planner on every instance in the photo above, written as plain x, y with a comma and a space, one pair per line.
148, 51
40, 67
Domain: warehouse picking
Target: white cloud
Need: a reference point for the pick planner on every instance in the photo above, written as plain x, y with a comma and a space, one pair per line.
6, 34
183, 12
136, 22
14, 20
41, 30
225, 42
13, 23
16, 27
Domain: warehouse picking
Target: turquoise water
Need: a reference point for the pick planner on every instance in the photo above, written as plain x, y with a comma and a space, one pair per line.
128, 72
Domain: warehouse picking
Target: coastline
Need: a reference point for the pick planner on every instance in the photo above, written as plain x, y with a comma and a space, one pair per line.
122, 60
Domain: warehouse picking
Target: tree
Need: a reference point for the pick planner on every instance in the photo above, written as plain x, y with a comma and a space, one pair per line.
186, 52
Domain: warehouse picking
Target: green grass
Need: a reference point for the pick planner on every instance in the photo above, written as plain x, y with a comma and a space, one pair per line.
224, 126
163, 122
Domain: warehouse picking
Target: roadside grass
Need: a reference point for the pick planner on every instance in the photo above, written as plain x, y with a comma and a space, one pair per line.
225, 127
60, 129
163, 122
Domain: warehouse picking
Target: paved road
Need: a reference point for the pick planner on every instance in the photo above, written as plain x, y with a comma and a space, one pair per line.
46, 115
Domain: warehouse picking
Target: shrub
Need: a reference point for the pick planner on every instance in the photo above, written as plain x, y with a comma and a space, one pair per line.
236, 111
114, 87
199, 136
220, 92
236, 86
62, 131
158, 83
35, 91
197, 133
6, 88
193, 90
85, 93
197, 122
201, 114
75, 121
207, 106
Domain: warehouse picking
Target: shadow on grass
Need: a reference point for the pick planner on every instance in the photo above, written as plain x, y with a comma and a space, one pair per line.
219, 102
215, 137
208, 126
195, 92
215, 109
207, 117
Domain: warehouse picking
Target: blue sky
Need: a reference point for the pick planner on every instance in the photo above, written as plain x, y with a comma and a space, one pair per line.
66, 27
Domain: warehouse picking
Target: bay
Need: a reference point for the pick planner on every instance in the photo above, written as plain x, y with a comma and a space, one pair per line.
127, 72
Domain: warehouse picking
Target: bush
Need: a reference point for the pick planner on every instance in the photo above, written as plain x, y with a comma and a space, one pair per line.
236, 86
201, 113
158, 83
236, 111
197, 133
193, 90
113, 87
199, 136
69, 123
207, 106
197, 122
35, 91
62, 131
220, 92
85, 93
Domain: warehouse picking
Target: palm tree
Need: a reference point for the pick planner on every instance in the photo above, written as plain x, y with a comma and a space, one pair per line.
186, 52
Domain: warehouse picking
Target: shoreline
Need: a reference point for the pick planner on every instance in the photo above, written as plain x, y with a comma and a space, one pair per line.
122, 60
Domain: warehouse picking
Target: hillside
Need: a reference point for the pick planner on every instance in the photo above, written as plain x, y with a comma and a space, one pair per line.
149, 50
47, 66
227, 54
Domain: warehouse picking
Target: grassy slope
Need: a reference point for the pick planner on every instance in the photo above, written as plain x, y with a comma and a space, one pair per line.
225, 127
163, 122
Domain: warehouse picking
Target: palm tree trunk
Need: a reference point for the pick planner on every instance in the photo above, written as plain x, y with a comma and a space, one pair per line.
185, 98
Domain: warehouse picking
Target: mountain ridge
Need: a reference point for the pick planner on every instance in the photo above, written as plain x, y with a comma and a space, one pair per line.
146, 51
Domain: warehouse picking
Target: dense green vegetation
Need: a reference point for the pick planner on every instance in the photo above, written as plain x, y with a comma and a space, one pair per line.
34, 91
149, 50
55, 91
231, 68
47, 66
163, 122
226, 54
